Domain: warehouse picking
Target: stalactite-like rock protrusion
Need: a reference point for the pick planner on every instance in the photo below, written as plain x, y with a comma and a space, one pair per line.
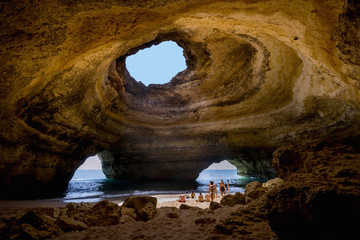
259, 74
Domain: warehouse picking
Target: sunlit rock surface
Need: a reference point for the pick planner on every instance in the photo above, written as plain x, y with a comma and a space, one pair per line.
260, 74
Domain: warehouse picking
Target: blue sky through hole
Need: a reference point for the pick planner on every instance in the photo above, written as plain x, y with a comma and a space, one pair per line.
157, 64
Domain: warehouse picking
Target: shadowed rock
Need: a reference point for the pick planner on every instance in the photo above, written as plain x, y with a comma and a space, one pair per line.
239, 198
103, 213
318, 197
228, 200
144, 207
253, 191
32, 225
67, 224
214, 205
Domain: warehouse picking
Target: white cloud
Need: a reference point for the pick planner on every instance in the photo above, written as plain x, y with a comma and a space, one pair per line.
223, 165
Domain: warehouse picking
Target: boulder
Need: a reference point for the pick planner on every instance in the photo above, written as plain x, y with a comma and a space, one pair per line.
320, 194
103, 213
239, 198
67, 224
147, 212
128, 212
253, 191
144, 207
139, 202
49, 211
71, 206
75, 210
26, 231
33, 225
272, 184
228, 200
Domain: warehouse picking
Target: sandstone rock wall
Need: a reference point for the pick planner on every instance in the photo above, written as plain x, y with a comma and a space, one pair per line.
260, 74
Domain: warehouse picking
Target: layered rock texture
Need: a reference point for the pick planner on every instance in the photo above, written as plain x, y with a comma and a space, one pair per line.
45, 223
259, 74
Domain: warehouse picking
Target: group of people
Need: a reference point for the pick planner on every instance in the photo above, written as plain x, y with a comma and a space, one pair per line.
210, 195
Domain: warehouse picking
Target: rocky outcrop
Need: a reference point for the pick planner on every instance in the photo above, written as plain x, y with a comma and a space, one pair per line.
259, 74
253, 191
232, 200
320, 193
214, 205
317, 196
144, 206
45, 223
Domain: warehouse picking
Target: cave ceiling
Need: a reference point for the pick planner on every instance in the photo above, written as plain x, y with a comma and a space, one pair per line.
259, 74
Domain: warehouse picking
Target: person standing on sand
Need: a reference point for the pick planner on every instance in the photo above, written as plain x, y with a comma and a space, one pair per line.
215, 189
212, 191
222, 188
228, 186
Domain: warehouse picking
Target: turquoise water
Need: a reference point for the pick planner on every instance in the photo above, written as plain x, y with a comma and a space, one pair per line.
91, 185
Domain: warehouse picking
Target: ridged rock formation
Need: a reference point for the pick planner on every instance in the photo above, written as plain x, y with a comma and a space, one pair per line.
259, 74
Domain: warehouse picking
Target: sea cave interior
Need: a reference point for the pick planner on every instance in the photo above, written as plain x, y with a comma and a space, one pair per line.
272, 86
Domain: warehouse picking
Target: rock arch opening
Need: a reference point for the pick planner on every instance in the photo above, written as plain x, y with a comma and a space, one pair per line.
87, 182
157, 64
225, 171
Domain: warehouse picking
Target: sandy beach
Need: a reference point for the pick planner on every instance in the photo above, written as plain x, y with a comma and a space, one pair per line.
170, 200
172, 222
164, 200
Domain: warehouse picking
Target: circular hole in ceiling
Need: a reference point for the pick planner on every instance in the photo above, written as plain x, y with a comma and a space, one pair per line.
157, 64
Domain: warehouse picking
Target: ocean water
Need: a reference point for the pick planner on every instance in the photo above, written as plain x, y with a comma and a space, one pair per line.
92, 186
